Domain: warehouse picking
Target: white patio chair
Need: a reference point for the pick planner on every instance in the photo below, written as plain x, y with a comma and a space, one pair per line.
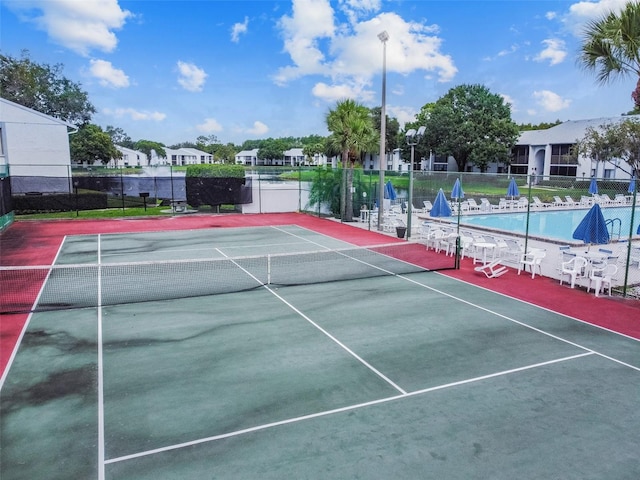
574, 268
427, 206
513, 252
448, 244
466, 245
602, 278
533, 260
433, 238
492, 269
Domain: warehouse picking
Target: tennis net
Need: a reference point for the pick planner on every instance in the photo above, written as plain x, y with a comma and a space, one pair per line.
55, 287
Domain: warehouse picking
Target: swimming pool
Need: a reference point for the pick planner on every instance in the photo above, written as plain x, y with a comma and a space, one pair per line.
552, 224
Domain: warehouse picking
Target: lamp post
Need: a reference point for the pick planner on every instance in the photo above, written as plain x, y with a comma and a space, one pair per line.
383, 36
413, 138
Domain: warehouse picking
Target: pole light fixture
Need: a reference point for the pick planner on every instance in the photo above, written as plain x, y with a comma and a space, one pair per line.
413, 138
383, 37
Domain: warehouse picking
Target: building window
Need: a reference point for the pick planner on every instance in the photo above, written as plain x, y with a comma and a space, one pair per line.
440, 163
562, 161
520, 155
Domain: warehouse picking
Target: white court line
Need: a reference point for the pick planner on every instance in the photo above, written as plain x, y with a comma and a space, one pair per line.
334, 339
101, 443
518, 322
18, 342
338, 410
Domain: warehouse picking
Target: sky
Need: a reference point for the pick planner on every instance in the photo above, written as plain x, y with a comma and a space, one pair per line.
171, 71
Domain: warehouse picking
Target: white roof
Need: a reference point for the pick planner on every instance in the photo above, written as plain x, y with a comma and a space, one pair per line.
567, 132
11, 112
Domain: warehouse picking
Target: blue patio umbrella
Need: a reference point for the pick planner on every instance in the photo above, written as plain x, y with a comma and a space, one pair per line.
457, 191
389, 191
592, 229
512, 189
441, 206
632, 185
593, 186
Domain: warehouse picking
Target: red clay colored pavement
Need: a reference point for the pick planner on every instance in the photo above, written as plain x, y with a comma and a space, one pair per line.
37, 242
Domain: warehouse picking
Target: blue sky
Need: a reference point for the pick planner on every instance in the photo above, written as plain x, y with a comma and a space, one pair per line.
169, 71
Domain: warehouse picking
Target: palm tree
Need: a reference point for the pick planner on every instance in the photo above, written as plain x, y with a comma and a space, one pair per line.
352, 133
611, 46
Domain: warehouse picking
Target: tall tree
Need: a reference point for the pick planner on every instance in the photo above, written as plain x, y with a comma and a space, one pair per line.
352, 132
147, 146
43, 88
119, 137
224, 153
471, 124
272, 149
311, 150
611, 47
611, 141
90, 144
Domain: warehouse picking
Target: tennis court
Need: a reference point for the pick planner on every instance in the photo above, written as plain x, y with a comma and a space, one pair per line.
279, 352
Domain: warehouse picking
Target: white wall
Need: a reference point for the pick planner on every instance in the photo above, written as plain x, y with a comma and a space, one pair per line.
34, 143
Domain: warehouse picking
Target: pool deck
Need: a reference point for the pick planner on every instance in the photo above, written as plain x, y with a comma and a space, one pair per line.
550, 265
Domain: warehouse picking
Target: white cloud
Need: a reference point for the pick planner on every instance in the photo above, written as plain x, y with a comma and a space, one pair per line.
555, 51
509, 100
350, 54
191, 77
551, 15
333, 93
108, 75
550, 101
209, 125
258, 129
134, 114
581, 13
312, 20
80, 26
402, 114
238, 29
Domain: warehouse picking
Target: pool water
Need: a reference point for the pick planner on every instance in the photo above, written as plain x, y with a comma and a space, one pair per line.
553, 224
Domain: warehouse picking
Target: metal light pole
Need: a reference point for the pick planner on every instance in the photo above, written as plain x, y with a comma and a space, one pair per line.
413, 138
383, 36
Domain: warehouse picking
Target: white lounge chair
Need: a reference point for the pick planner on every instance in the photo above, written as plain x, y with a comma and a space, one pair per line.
493, 269
427, 206
539, 203
571, 202
473, 205
485, 205
558, 202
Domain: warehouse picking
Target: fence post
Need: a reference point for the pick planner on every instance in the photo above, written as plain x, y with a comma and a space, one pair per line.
627, 265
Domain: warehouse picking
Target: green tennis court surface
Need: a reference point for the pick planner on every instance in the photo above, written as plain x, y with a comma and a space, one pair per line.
410, 375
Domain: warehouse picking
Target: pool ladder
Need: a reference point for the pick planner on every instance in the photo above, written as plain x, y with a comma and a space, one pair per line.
611, 225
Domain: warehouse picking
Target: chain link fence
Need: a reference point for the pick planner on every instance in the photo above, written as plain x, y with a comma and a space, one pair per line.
543, 213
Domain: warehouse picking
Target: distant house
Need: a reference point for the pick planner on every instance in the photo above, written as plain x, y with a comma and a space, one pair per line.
545, 154
33, 144
130, 158
291, 158
183, 156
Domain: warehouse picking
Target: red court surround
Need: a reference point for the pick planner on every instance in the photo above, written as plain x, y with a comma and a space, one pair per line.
37, 242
